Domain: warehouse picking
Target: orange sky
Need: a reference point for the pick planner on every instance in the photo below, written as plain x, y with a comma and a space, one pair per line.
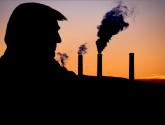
145, 35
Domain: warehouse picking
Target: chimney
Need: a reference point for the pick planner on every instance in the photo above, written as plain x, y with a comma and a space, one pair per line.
99, 64
131, 66
80, 65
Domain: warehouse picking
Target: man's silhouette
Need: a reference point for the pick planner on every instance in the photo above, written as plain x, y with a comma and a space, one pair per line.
31, 38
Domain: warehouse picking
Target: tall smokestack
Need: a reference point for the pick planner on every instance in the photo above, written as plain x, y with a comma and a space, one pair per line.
131, 66
80, 65
81, 51
99, 64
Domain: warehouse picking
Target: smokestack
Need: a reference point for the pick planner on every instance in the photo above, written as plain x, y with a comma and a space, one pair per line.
131, 66
81, 51
80, 65
99, 64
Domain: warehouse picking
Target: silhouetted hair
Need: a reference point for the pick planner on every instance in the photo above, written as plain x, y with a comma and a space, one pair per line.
29, 20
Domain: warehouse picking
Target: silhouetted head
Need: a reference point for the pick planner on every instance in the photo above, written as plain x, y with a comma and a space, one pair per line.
32, 31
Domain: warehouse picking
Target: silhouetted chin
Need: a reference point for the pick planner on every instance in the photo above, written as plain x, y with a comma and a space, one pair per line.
51, 53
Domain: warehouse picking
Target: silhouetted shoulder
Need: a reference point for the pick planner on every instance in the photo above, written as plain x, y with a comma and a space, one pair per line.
60, 73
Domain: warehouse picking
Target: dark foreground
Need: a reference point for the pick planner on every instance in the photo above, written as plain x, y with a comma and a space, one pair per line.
88, 87
115, 86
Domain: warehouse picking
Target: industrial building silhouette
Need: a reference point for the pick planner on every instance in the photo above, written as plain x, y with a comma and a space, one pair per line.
99, 65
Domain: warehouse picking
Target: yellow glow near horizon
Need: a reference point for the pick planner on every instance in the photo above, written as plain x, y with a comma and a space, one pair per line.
154, 77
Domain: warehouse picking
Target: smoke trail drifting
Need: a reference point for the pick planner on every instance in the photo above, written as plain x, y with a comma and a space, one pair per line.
82, 49
62, 58
112, 23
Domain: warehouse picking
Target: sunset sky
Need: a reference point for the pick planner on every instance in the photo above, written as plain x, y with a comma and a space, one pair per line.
145, 35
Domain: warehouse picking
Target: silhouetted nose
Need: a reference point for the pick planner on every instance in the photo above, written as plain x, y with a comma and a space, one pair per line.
58, 39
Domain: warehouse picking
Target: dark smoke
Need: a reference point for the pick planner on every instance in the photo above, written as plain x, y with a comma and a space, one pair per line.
62, 58
82, 49
112, 23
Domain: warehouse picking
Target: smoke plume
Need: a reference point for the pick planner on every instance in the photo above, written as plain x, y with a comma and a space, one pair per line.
62, 58
112, 23
82, 49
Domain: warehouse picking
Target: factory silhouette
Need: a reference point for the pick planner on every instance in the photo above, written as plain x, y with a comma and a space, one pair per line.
99, 65
31, 39
112, 23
